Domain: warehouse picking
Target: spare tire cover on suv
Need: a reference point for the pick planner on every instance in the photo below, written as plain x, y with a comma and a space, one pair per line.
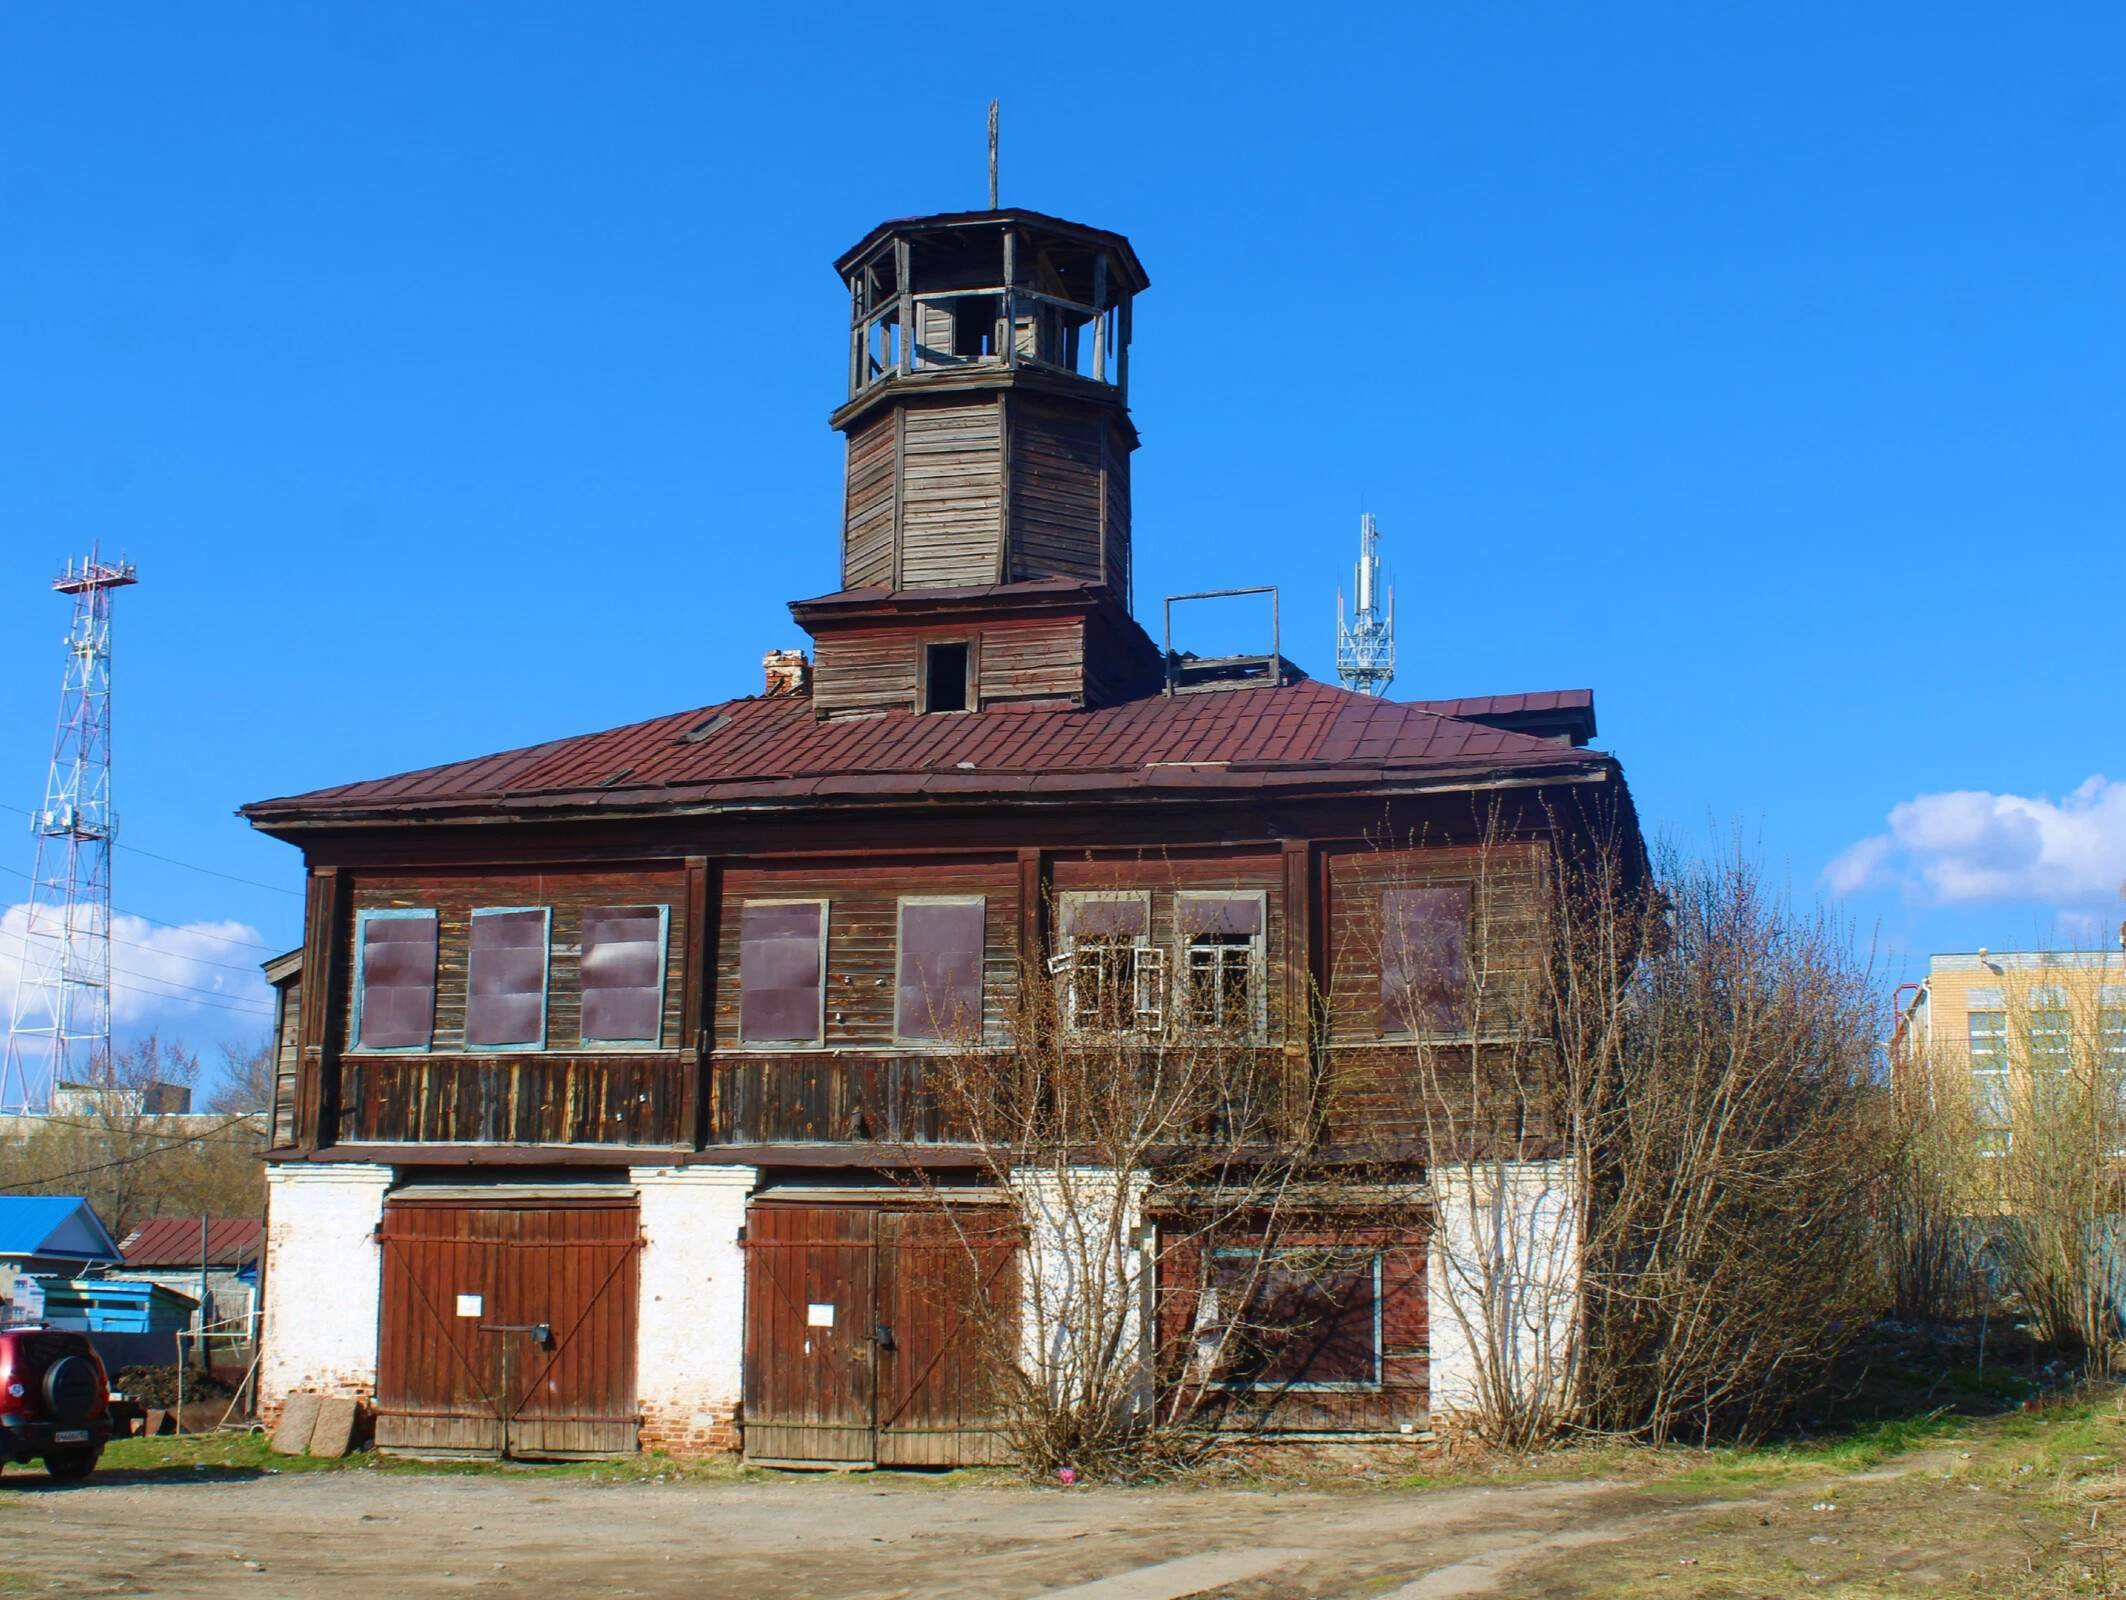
70, 1389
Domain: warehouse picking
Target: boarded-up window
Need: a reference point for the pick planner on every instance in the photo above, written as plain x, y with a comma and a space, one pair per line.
940, 976
623, 974
1424, 975
505, 979
781, 969
395, 980
1295, 1318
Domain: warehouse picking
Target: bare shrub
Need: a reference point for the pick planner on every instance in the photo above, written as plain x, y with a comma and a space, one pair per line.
1186, 1246
1657, 1135
2048, 1179
1734, 1160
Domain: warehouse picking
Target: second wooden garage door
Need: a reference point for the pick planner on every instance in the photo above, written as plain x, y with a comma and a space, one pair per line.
863, 1342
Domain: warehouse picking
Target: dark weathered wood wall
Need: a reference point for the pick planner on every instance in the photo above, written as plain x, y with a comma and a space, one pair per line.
287, 1058
861, 1085
1031, 662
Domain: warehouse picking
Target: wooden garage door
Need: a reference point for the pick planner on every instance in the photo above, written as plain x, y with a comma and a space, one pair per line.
509, 1328
860, 1345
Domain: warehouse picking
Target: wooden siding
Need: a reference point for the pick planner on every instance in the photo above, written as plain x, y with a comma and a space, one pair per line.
863, 933
868, 493
484, 1383
1379, 1084
527, 1099
1033, 662
951, 495
1057, 490
568, 1093
941, 492
454, 897
1115, 533
287, 1058
1506, 916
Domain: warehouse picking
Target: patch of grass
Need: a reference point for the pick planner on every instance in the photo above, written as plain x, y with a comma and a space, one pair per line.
248, 1454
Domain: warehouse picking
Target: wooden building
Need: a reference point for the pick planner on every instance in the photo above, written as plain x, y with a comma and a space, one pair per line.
600, 1056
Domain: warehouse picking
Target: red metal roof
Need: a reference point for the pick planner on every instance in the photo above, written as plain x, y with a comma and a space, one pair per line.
773, 749
174, 1242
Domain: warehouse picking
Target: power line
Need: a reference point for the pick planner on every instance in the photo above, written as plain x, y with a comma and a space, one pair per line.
180, 927
127, 1161
172, 861
238, 1003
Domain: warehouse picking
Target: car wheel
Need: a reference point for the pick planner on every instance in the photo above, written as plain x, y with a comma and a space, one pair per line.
71, 1466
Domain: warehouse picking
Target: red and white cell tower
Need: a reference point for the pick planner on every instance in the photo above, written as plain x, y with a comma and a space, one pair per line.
59, 1030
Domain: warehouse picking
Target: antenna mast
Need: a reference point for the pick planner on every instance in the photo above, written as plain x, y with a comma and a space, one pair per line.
59, 1029
1365, 646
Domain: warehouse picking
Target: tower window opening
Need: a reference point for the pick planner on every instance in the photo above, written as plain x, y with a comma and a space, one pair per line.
945, 686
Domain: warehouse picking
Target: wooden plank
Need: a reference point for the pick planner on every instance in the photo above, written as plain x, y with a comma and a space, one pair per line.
696, 974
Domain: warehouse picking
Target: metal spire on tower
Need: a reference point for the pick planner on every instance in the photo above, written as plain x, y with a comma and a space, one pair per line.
1365, 646
59, 1030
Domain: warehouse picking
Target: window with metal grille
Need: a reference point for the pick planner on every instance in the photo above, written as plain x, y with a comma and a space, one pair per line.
1986, 1033
394, 979
782, 964
623, 974
505, 979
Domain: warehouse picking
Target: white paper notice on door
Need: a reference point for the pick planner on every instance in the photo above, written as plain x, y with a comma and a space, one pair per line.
469, 1305
819, 1316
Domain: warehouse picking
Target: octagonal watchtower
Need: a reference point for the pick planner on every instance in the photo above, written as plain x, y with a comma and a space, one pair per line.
988, 419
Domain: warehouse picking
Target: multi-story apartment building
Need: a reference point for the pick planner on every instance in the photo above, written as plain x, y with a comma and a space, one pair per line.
2015, 1029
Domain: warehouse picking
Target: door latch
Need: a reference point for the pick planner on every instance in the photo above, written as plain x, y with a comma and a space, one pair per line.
882, 1335
542, 1333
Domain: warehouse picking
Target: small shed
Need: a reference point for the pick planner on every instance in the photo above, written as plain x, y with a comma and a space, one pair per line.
177, 1252
48, 1234
130, 1321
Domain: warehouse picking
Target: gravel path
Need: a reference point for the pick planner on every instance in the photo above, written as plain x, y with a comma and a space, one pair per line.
862, 1538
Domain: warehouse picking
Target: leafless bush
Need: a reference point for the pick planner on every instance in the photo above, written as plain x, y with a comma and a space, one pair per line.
2050, 1137
1185, 1245
1657, 1135
1734, 1154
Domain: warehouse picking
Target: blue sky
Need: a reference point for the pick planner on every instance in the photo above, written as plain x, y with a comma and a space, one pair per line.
458, 377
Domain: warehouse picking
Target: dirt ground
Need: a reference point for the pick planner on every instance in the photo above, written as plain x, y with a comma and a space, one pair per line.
2012, 1508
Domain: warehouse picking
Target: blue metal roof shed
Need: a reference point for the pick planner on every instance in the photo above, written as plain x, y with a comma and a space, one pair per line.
53, 1233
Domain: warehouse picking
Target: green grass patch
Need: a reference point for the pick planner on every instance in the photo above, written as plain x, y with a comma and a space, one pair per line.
248, 1454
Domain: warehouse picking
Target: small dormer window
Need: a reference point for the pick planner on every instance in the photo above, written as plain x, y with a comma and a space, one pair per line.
945, 672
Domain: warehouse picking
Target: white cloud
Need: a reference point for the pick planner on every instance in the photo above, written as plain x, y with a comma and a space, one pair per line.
1972, 845
164, 975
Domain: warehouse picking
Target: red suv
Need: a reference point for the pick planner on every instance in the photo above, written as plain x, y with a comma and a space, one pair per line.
55, 1401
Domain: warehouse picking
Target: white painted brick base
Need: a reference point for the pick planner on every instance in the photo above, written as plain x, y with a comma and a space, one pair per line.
323, 1279
1504, 1284
691, 1347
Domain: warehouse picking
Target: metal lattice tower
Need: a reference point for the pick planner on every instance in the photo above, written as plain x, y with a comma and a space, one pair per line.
59, 1029
1365, 646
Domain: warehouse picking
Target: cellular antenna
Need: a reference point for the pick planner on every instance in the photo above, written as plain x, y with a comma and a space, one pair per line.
59, 1030
1365, 646
992, 155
